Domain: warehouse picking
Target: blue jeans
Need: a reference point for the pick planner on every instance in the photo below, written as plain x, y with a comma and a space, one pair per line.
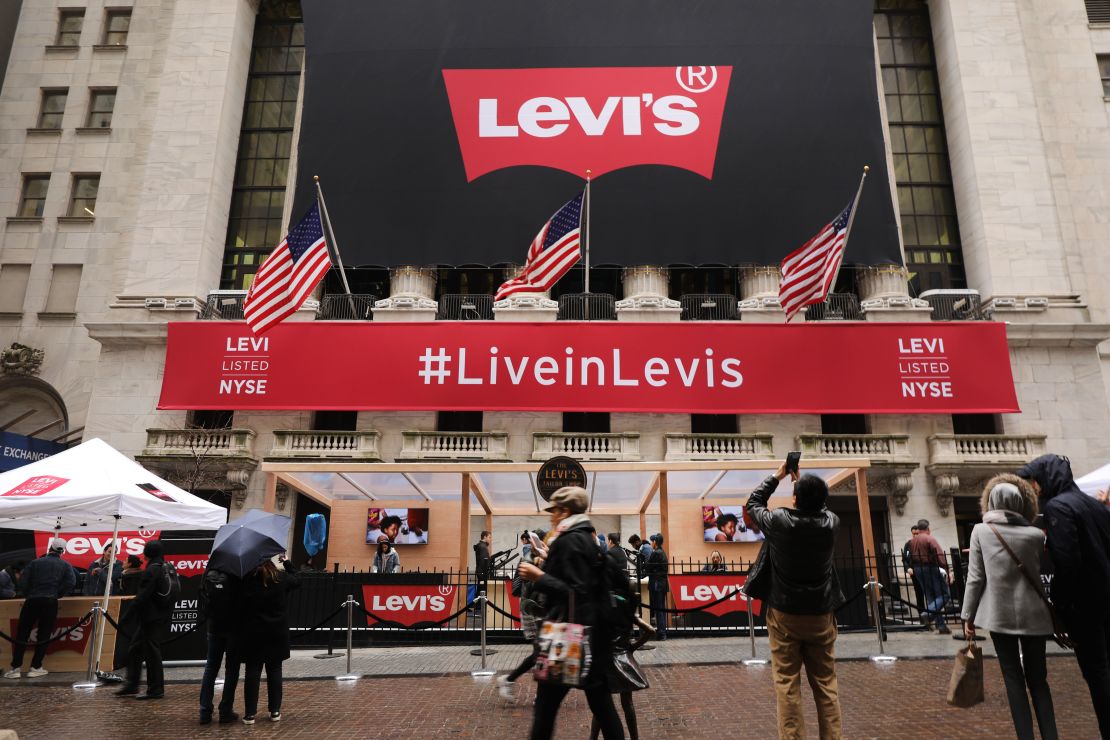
218, 647
935, 588
658, 604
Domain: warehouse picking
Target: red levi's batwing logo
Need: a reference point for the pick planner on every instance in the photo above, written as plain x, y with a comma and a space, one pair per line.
601, 119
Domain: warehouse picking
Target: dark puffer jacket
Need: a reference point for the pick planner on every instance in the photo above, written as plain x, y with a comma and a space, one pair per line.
572, 569
1078, 531
798, 552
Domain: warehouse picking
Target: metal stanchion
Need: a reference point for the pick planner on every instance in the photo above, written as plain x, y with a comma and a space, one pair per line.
754, 660
349, 603
331, 628
873, 587
483, 672
90, 681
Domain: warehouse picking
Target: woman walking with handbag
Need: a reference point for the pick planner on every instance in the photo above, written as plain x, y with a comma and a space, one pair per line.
570, 590
1004, 595
265, 638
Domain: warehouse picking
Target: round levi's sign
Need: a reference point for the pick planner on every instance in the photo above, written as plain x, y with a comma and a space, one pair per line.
559, 472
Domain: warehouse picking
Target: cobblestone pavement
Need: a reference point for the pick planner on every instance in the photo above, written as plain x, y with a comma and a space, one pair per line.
902, 700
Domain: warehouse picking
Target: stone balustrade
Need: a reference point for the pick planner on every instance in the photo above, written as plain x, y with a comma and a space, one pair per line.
199, 442
947, 449
718, 446
488, 446
346, 445
621, 447
877, 447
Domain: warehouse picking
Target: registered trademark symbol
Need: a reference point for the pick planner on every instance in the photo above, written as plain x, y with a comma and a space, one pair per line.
696, 79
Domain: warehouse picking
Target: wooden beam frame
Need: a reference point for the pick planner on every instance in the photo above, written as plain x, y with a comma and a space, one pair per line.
664, 508
416, 486
649, 494
864, 504
293, 466
464, 522
480, 493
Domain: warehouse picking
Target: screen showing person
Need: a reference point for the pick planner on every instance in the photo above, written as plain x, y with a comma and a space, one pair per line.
399, 526
728, 524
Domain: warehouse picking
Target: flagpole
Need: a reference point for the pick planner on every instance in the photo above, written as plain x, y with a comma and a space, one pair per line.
848, 230
332, 245
586, 241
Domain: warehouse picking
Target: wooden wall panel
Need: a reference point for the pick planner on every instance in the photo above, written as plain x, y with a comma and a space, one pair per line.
347, 538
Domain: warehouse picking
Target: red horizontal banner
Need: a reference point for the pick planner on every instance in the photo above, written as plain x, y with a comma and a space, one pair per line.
688, 367
408, 605
692, 591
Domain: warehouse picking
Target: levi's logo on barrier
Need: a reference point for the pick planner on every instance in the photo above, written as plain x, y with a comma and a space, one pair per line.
188, 565
691, 591
408, 605
36, 486
85, 547
74, 641
575, 119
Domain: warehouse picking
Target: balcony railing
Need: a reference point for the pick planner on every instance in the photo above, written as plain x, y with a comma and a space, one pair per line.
454, 446
877, 447
587, 307
224, 305
298, 444
837, 307
985, 448
709, 307
199, 443
586, 446
343, 307
718, 446
955, 305
458, 307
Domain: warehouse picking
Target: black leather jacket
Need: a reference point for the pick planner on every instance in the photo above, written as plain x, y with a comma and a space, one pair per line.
798, 553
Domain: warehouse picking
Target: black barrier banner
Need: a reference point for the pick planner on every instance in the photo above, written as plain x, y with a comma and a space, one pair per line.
719, 132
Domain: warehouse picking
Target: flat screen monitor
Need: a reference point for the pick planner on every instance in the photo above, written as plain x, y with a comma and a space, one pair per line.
399, 526
728, 524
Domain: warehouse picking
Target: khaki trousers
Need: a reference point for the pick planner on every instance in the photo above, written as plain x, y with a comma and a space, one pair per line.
809, 640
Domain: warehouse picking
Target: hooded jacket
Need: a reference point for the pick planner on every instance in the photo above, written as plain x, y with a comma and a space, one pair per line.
1078, 530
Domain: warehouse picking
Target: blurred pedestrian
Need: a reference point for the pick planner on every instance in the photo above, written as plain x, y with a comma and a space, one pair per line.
97, 576
530, 616
930, 566
623, 684
151, 607
716, 563
131, 575
795, 578
570, 591
221, 604
42, 583
658, 584
1008, 602
265, 633
386, 559
1078, 532
9, 580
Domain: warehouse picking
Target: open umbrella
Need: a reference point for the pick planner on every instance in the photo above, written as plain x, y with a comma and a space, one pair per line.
249, 541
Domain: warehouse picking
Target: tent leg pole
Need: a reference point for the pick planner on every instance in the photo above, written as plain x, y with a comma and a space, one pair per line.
90, 681
107, 592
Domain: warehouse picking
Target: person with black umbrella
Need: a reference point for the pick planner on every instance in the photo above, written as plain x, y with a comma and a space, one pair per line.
151, 607
264, 639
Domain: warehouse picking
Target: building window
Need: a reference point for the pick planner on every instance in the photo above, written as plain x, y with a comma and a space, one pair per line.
586, 422
265, 142
210, 419
976, 424
1104, 73
844, 424
458, 421
101, 104
33, 199
53, 105
69, 27
714, 424
1098, 11
930, 229
334, 421
13, 287
116, 24
82, 202
65, 281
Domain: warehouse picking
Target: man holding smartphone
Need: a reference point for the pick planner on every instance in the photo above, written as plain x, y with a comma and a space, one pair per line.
795, 578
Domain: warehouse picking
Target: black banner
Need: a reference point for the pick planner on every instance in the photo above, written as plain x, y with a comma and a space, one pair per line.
430, 153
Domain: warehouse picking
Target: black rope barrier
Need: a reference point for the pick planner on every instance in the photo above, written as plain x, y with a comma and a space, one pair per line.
502, 612
398, 625
324, 621
855, 596
80, 623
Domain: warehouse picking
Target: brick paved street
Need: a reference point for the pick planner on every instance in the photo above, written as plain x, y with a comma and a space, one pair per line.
690, 701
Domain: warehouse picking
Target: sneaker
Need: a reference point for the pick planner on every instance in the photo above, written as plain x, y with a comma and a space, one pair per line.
943, 630
275, 716
13, 673
505, 688
226, 719
248, 720
36, 672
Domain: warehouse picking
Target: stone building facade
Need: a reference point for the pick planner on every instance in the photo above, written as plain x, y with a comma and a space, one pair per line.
93, 282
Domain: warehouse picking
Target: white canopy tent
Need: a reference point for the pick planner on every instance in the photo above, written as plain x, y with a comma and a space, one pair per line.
88, 486
1094, 481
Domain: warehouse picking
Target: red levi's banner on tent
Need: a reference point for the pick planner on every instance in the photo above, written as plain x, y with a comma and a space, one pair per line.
408, 605
687, 367
82, 548
692, 591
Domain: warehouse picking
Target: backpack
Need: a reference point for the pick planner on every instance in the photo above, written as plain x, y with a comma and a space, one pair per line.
617, 604
172, 584
217, 596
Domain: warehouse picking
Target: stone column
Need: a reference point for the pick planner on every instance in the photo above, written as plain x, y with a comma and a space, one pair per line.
646, 288
411, 296
525, 306
759, 295
884, 295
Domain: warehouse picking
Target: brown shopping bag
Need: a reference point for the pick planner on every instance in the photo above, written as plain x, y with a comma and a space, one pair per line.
965, 688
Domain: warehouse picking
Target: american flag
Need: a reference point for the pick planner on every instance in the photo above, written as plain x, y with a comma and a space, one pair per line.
552, 253
288, 275
809, 271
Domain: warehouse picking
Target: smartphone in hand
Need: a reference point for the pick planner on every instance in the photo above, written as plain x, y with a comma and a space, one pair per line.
792, 459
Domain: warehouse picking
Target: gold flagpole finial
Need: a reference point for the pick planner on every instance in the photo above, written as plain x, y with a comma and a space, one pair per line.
866, 168
588, 172
315, 178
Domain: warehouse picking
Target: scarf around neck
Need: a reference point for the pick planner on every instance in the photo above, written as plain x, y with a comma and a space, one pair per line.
571, 521
1003, 516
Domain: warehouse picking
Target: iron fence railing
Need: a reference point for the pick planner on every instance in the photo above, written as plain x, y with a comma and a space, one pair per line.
587, 307
460, 307
709, 307
343, 307
836, 307
955, 305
